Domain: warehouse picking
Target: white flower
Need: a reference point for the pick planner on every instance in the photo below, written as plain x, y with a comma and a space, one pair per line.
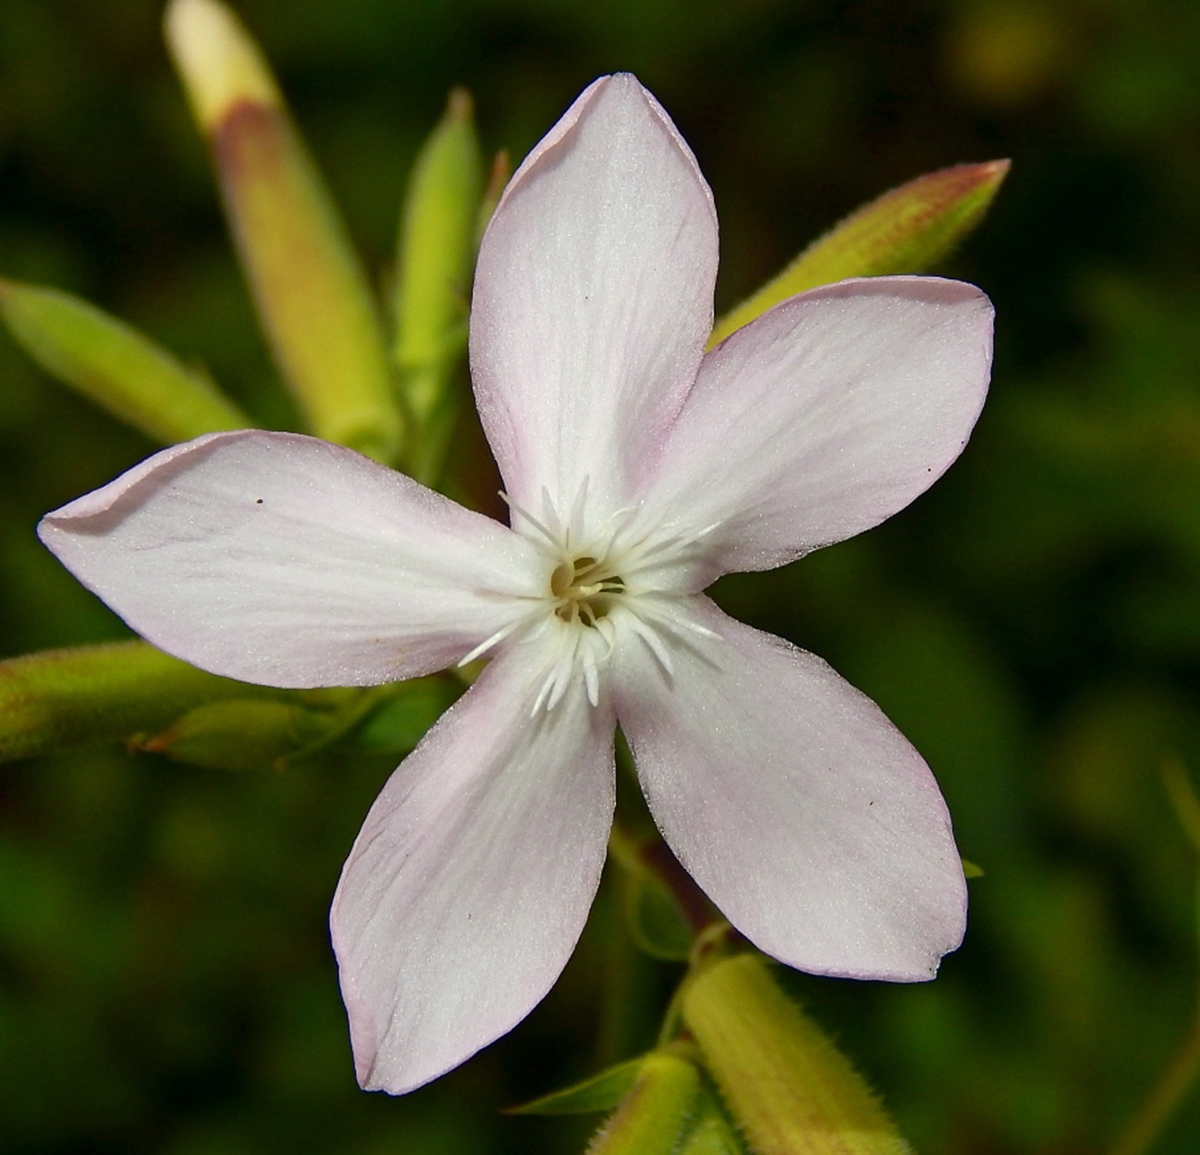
637, 469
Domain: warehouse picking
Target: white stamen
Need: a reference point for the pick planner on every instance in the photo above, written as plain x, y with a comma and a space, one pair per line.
521, 511
591, 676
483, 647
653, 641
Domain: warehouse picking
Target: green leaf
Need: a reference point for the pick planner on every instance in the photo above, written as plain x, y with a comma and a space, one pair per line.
115, 366
600, 1092
313, 298
656, 922
97, 695
410, 708
242, 734
906, 230
791, 1091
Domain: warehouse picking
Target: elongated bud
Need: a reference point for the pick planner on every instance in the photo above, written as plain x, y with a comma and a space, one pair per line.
788, 1087
435, 256
658, 1111
312, 296
115, 366
96, 695
907, 230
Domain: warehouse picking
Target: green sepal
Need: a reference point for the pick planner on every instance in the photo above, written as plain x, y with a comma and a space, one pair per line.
971, 869
599, 1092
788, 1087
98, 695
399, 722
657, 1113
243, 734
435, 256
115, 366
907, 230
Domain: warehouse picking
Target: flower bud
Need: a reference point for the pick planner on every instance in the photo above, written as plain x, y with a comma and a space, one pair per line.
789, 1088
312, 295
657, 1112
907, 230
436, 255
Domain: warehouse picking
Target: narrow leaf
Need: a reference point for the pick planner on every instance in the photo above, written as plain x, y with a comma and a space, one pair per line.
600, 1092
789, 1088
97, 695
115, 366
907, 230
312, 295
242, 734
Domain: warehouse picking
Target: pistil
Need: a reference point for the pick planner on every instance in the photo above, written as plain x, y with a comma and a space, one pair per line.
583, 589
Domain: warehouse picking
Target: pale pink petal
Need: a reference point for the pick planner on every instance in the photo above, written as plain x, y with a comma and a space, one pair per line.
797, 806
823, 417
472, 877
285, 560
593, 299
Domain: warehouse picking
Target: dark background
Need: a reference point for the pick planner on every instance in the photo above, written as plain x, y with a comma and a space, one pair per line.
1032, 624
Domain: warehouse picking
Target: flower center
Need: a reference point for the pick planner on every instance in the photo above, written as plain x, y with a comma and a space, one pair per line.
604, 585
584, 590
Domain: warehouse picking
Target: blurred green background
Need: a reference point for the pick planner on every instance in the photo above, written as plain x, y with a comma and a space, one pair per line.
1033, 624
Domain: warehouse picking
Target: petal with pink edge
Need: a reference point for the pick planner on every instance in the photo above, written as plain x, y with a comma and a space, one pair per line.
801, 811
592, 299
823, 417
284, 560
471, 880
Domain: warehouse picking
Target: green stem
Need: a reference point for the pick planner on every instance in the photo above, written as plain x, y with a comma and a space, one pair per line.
653, 855
1165, 1096
1181, 1071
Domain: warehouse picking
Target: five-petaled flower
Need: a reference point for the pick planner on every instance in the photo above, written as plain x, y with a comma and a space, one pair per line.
637, 469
